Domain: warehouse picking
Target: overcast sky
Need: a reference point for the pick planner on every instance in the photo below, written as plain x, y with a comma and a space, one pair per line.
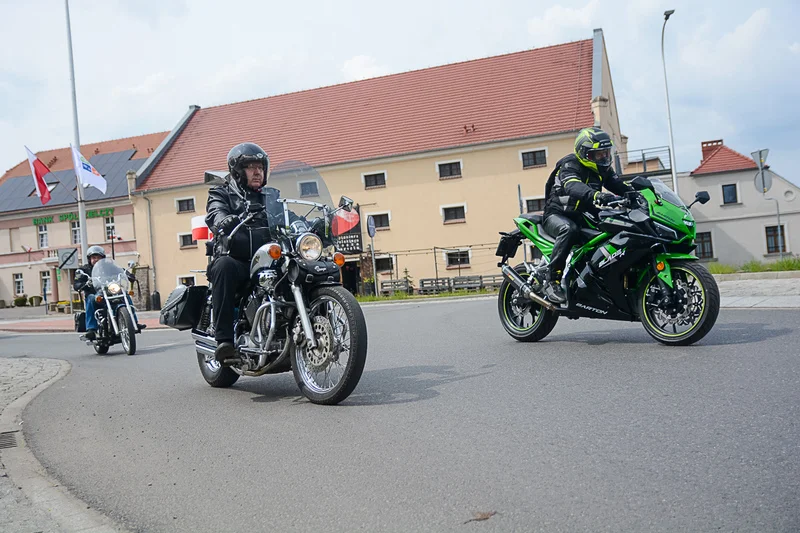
733, 66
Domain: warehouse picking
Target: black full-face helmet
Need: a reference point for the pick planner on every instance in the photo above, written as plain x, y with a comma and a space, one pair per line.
594, 149
242, 155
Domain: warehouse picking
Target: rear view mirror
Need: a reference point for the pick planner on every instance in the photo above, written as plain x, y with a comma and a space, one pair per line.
346, 203
703, 197
640, 183
215, 177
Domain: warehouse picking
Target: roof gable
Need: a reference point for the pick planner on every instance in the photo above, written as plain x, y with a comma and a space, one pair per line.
723, 159
524, 94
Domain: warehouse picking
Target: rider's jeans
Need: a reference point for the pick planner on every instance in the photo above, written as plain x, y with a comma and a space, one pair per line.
91, 321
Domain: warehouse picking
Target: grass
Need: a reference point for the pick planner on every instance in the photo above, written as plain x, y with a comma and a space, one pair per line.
790, 263
404, 296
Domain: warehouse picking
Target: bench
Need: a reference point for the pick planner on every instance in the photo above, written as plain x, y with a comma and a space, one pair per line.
466, 283
491, 282
434, 285
396, 285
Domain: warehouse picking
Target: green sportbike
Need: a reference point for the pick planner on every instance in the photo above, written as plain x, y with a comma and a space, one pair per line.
633, 263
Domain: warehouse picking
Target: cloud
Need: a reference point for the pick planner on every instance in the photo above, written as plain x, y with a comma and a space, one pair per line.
559, 24
731, 54
362, 67
795, 48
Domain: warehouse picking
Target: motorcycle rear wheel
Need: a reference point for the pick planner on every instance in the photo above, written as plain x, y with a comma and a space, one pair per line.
215, 374
341, 330
524, 320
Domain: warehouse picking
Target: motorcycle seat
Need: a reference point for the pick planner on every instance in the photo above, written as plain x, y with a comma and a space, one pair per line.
538, 218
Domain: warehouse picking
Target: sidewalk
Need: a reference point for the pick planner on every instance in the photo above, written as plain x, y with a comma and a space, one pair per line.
30, 501
61, 323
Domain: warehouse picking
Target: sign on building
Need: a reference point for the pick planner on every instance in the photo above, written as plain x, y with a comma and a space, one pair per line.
350, 242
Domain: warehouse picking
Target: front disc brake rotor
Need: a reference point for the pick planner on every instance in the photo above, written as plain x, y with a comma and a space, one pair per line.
317, 358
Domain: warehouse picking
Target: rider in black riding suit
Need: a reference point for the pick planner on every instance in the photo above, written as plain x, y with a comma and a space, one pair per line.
575, 185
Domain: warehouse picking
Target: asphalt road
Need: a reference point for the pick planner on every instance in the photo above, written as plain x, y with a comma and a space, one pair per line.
597, 428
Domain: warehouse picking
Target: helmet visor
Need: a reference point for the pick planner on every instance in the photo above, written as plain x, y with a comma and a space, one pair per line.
602, 157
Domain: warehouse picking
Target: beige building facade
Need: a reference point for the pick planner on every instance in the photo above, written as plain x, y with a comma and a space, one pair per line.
439, 200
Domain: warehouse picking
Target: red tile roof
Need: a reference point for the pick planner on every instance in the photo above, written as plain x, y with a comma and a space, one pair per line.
723, 159
61, 158
523, 94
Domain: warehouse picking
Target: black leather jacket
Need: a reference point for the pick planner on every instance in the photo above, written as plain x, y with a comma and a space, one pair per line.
572, 186
223, 202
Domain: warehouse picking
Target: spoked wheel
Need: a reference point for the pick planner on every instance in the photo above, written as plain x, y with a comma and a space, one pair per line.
127, 330
328, 373
692, 313
522, 318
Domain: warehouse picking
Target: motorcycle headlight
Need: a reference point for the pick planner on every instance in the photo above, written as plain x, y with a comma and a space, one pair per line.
309, 246
114, 288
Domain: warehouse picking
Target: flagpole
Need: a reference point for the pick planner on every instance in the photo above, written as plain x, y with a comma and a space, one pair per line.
77, 139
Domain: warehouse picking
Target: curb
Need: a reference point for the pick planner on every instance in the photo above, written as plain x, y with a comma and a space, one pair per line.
744, 276
29, 475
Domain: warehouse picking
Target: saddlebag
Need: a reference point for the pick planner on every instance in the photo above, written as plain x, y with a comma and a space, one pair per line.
80, 322
183, 307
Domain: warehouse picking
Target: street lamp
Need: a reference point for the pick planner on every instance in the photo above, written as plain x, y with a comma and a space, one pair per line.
669, 115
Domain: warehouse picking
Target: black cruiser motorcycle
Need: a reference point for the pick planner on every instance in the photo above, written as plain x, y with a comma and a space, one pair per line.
295, 315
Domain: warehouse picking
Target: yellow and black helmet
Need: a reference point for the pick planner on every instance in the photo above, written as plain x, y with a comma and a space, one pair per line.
594, 149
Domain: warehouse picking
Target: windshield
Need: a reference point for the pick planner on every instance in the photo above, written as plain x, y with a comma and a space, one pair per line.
302, 189
666, 193
106, 272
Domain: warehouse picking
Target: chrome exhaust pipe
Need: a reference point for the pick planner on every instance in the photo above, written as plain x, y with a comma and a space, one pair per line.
208, 351
522, 286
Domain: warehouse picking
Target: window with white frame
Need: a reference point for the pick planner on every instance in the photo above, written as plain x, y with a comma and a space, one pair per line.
186, 240
185, 205
186, 280
454, 214
384, 264
19, 285
381, 220
43, 243
375, 180
111, 229
730, 194
534, 158
457, 258
308, 188
535, 205
449, 170
76, 231
46, 287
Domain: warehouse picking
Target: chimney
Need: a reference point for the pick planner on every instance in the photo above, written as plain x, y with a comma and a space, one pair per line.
131, 177
709, 147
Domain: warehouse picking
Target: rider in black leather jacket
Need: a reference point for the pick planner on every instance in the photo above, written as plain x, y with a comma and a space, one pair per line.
249, 167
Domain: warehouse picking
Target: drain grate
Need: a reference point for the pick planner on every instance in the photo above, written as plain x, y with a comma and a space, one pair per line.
8, 440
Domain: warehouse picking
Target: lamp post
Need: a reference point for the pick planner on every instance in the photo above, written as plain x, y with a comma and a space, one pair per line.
667, 14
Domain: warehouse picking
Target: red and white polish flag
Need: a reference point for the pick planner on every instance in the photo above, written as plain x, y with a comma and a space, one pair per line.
38, 172
200, 231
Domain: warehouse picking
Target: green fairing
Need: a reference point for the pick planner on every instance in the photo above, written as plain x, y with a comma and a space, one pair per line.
670, 215
530, 231
666, 274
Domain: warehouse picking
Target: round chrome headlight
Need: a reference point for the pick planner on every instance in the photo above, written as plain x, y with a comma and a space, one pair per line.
309, 246
114, 288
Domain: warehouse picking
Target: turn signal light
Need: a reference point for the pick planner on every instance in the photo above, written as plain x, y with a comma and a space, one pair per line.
338, 259
98, 299
130, 293
660, 266
275, 251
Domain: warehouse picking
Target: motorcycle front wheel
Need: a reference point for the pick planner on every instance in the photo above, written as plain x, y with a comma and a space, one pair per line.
127, 330
328, 373
694, 311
